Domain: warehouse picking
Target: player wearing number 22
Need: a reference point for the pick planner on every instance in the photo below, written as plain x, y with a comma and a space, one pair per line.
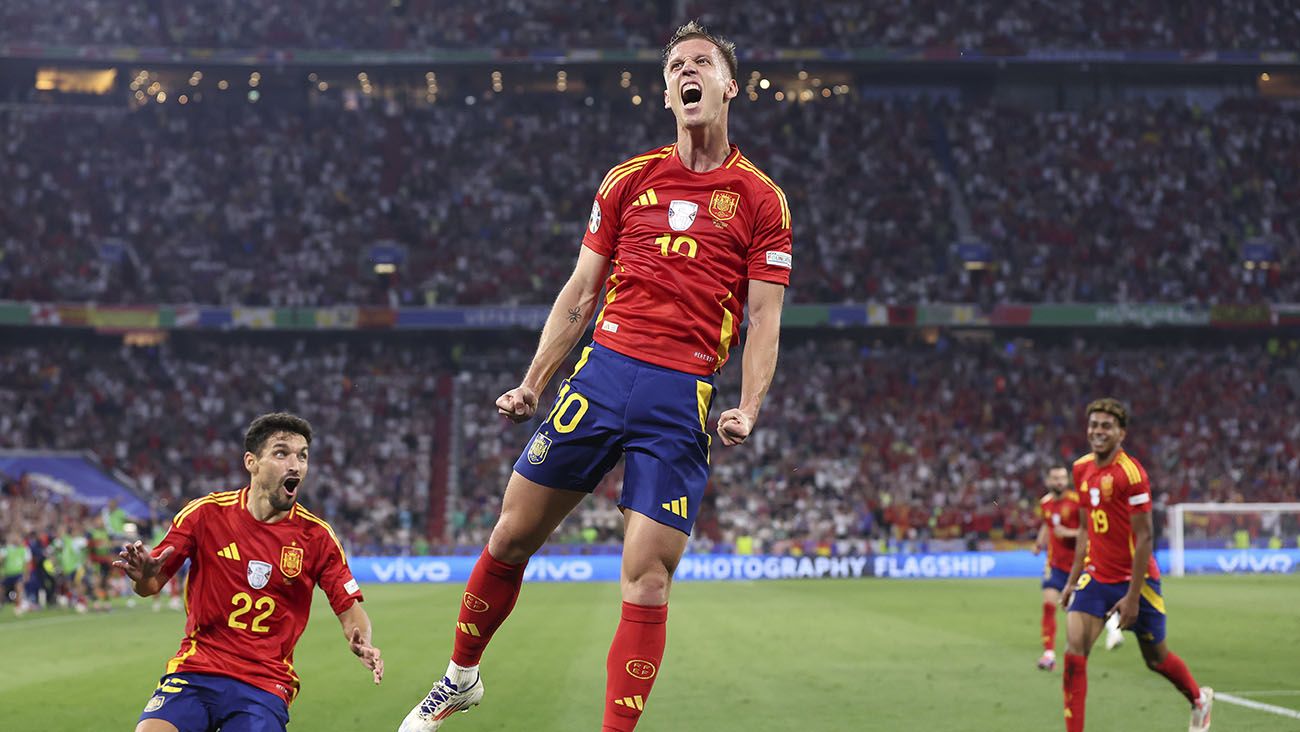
256, 555
682, 237
1115, 570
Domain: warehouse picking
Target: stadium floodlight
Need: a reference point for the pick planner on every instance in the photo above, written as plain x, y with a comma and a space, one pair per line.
1240, 537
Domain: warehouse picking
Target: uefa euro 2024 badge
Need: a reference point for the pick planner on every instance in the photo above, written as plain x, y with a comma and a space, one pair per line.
259, 573
681, 214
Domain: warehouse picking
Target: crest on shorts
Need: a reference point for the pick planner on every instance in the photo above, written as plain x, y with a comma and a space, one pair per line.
155, 703
681, 214
723, 205
1107, 487
259, 573
290, 560
537, 451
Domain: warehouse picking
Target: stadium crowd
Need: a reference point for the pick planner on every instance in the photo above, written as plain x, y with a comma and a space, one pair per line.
862, 447
259, 204
993, 27
172, 418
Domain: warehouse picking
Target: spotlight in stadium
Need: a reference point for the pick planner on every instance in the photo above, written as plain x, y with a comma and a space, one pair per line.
162, 97
139, 96
1265, 77
322, 85
764, 84
625, 80
780, 96
470, 101
384, 268
826, 92
803, 75
253, 96
636, 99
254, 79
183, 99
312, 77
223, 85
753, 96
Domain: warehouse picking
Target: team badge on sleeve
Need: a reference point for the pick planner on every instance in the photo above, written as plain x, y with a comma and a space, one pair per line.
537, 451
290, 561
259, 573
681, 214
593, 225
723, 205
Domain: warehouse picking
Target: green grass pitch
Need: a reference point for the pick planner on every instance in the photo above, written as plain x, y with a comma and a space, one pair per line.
815, 656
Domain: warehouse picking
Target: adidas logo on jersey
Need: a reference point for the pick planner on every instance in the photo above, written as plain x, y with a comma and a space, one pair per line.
646, 199
230, 552
677, 506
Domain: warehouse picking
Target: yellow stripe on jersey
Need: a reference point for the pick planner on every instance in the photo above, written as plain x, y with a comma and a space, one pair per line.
1085, 459
610, 294
215, 499
1130, 469
727, 330
735, 157
745, 165
176, 661
304, 513
622, 170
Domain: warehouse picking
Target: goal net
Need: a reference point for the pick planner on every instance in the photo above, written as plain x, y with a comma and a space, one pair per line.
1233, 538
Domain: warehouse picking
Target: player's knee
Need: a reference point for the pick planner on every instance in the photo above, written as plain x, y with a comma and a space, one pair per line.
648, 588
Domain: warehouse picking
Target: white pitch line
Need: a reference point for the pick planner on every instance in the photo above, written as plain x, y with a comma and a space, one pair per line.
1269, 692
1261, 706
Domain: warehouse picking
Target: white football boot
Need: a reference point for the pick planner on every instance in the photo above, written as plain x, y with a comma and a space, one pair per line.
442, 701
1201, 711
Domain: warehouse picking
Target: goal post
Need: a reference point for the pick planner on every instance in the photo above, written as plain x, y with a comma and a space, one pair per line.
1234, 537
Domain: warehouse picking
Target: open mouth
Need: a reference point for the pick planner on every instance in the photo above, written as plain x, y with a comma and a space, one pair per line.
691, 94
291, 486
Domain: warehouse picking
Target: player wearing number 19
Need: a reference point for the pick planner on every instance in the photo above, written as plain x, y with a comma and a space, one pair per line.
1114, 569
256, 554
685, 234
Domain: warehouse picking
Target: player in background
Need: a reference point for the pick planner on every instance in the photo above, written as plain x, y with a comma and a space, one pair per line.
1115, 569
14, 568
102, 549
256, 554
693, 230
1059, 510
71, 549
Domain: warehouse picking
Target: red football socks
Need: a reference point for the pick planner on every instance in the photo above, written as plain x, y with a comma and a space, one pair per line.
489, 597
633, 664
1075, 683
1049, 626
1175, 670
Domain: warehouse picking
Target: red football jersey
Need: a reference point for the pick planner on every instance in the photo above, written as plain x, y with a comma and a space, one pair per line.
249, 589
684, 246
1062, 511
1110, 495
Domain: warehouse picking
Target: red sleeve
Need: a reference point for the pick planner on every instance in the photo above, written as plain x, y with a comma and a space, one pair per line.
180, 535
1139, 494
770, 257
606, 213
334, 577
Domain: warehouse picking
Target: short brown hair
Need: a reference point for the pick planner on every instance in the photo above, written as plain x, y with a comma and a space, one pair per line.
694, 29
1111, 406
270, 424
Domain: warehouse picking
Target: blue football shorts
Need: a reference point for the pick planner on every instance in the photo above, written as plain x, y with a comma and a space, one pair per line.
206, 703
1097, 598
616, 406
1054, 579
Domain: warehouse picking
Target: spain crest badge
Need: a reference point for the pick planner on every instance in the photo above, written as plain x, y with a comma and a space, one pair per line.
291, 561
538, 449
723, 205
1107, 487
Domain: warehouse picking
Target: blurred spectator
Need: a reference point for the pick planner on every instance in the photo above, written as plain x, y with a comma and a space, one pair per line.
1003, 27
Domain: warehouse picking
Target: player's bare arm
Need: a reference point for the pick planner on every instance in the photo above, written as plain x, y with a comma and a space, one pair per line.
761, 346
1040, 542
144, 569
356, 628
573, 309
1080, 554
1065, 532
1127, 607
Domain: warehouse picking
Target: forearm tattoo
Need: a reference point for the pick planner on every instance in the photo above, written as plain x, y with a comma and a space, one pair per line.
573, 314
